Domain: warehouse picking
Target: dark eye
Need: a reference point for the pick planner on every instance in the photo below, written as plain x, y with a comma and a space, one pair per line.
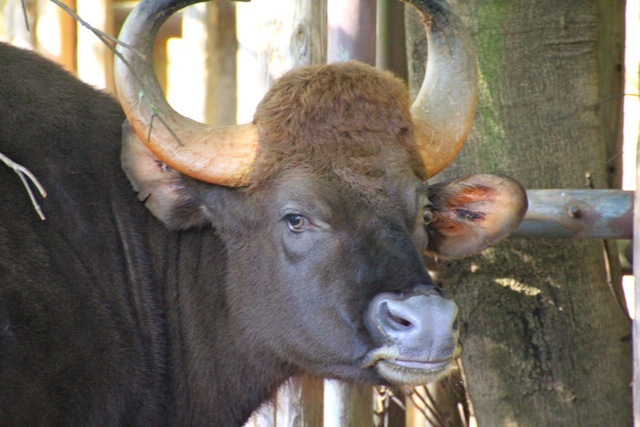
296, 222
427, 216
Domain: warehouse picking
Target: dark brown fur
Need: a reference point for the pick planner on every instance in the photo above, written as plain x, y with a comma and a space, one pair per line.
109, 318
105, 316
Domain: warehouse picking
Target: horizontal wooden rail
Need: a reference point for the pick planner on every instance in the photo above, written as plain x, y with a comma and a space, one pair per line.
578, 214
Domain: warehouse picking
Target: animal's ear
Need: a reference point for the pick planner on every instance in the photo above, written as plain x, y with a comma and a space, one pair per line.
471, 213
166, 192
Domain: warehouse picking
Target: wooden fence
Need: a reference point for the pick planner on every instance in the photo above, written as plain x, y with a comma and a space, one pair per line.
295, 33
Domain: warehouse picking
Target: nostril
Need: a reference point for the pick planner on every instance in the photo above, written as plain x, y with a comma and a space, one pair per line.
400, 321
392, 318
423, 324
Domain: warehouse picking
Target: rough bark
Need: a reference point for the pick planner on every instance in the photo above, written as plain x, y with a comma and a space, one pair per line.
545, 341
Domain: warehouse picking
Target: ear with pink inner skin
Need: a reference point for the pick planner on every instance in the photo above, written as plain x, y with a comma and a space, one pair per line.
164, 190
472, 213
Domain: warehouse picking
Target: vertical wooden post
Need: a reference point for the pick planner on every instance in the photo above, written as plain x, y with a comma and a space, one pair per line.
351, 35
205, 59
306, 46
631, 125
391, 53
347, 405
16, 30
56, 33
95, 60
414, 417
539, 350
636, 308
292, 34
222, 86
299, 403
351, 30
312, 400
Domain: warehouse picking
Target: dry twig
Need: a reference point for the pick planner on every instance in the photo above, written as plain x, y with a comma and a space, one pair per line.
26, 176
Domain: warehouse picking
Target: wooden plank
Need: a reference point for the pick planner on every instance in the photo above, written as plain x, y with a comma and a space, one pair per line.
578, 214
306, 36
56, 33
222, 104
610, 46
312, 401
391, 53
351, 30
636, 306
633, 27
69, 37
347, 405
205, 56
299, 403
95, 60
543, 376
290, 34
275, 37
306, 46
351, 26
308, 42
15, 28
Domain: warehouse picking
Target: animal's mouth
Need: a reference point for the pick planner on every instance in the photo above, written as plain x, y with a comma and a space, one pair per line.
402, 371
417, 365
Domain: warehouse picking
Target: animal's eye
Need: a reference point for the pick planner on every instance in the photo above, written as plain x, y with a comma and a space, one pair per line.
427, 215
296, 222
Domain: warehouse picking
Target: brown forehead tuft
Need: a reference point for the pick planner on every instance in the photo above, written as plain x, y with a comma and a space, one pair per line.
322, 114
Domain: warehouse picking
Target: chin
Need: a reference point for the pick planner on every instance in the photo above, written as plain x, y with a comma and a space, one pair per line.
394, 369
399, 374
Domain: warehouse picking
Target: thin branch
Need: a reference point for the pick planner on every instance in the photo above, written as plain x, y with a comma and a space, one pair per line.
424, 411
386, 411
26, 16
433, 404
463, 415
398, 402
428, 404
110, 41
104, 37
26, 176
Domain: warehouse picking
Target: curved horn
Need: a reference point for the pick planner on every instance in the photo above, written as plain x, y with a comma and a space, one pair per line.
444, 109
222, 155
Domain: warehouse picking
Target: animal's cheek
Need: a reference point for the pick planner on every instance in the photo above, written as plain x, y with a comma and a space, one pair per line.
315, 259
420, 237
296, 247
311, 247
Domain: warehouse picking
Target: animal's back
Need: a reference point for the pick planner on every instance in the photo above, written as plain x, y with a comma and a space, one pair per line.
69, 334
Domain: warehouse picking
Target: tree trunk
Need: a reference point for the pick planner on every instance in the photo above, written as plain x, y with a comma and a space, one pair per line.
546, 343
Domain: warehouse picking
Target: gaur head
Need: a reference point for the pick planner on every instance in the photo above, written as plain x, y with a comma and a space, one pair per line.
323, 202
